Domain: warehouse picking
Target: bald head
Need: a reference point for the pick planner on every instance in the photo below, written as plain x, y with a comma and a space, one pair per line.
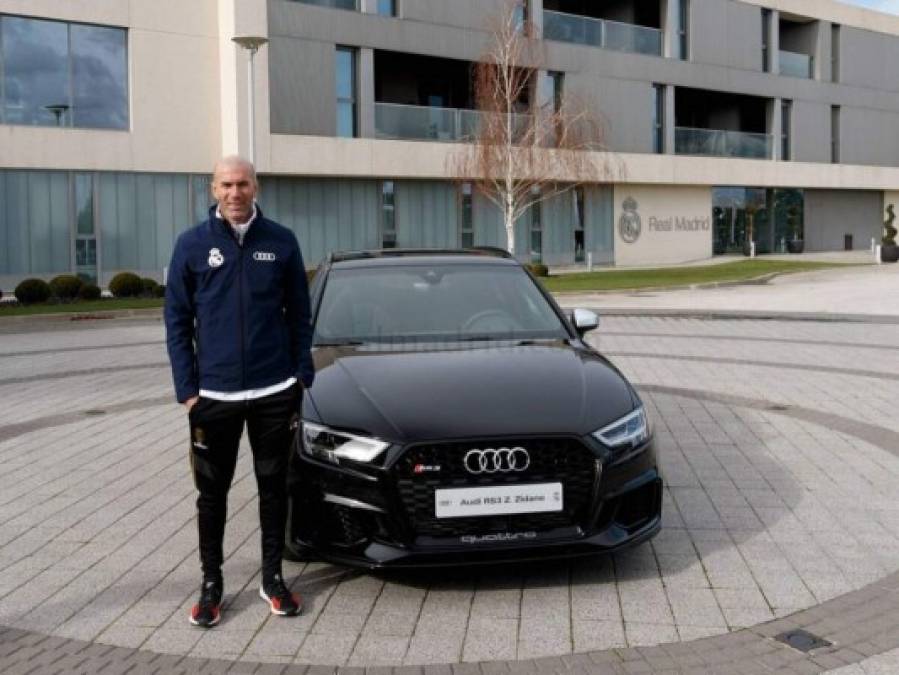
234, 187
234, 162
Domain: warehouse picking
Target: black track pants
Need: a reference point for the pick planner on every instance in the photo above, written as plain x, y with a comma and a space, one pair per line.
216, 428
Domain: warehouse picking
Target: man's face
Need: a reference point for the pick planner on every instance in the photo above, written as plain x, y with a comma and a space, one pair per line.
234, 190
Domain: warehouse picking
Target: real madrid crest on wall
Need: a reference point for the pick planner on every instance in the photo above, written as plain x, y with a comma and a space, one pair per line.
629, 225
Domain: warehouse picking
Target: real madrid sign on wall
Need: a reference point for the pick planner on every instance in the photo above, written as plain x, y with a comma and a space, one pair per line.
662, 224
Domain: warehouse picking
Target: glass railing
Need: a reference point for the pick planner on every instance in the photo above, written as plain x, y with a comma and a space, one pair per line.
796, 65
584, 30
721, 143
416, 122
336, 4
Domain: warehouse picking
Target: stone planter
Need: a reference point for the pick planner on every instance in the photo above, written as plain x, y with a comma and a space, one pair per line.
889, 253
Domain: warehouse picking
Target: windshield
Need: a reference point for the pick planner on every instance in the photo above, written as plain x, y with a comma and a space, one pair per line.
425, 303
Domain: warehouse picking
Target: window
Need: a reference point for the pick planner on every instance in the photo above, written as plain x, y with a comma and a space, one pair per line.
658, 118
520, 14
556, 82
85, 230
835, 52
54, 73
786, 116
466, 217
835, 134
337, 4
388, 214
536, 231
766, 39
346, 91
387, 7
683, 28
579, 224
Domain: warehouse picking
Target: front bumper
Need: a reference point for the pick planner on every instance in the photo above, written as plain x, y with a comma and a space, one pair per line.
382, 517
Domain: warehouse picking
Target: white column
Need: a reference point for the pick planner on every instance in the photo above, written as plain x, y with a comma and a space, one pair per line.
366, 93
774, 127
368, 6
774, 43
535, 14
232, 106
669, 28
669, 119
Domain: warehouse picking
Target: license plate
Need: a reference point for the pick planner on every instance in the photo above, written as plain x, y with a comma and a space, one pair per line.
497, 500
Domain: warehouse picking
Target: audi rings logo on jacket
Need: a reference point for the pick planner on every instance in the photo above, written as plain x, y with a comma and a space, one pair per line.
496, 460
264, 256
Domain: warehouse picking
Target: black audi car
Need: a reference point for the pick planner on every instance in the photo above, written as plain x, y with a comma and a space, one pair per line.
458, 416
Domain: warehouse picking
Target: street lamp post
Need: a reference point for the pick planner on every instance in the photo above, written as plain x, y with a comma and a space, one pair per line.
252, 44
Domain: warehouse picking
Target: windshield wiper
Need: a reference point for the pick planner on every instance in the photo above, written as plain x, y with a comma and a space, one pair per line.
339, 343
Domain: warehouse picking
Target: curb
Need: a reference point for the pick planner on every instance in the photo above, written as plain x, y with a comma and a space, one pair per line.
79, 317
753, 281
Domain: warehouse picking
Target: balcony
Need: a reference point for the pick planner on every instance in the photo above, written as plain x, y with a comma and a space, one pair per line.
428, 123
603, 33
334, 4
722, 143
793, 64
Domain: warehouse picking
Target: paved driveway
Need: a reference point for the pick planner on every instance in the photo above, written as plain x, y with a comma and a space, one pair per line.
778, 438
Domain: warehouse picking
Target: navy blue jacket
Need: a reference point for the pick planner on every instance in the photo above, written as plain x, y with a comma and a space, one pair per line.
237, 317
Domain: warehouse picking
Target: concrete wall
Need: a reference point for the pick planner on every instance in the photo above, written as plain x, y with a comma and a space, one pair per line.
726, 34
831, 214
675, 224
811, 131
868, 136
623, 107
298, 67
864, 59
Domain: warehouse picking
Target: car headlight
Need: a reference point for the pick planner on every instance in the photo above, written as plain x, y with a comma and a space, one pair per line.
629, 431
332, 446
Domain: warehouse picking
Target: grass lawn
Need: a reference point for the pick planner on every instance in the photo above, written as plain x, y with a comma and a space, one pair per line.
81, 307
740, 270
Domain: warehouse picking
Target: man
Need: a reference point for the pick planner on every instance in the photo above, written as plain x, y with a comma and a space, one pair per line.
238, 332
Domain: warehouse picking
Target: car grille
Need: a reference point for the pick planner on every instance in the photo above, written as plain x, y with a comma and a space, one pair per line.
552, 460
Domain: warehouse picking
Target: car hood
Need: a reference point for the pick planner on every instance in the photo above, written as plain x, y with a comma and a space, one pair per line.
442, 393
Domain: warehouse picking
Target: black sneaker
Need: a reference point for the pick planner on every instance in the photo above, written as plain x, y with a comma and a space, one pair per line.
207, 612
279, 597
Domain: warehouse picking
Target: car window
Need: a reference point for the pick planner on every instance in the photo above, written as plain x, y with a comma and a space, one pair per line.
433, 302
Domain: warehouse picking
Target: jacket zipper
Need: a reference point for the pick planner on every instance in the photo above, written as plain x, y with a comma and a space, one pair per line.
243, 355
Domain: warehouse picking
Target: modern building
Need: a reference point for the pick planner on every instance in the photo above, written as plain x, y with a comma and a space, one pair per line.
782, 113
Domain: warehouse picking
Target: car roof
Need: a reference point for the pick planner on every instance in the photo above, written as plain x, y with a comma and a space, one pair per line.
402, 257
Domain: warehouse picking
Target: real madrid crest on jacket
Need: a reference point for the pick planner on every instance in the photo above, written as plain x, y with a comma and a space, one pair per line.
251, 305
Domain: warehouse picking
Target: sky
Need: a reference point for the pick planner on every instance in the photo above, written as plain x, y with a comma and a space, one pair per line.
889, 6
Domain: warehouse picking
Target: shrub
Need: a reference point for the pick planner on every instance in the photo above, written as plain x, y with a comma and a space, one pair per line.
889, 236
149, 286
538, 269
89, 292
66, 286
159, 291
33, 291
126, 285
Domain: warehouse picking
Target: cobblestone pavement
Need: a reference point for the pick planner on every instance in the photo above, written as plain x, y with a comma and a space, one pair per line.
778, 439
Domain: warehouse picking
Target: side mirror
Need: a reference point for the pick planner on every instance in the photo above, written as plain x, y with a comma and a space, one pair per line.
584, 320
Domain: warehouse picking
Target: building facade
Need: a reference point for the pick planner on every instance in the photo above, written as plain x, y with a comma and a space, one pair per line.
726, 120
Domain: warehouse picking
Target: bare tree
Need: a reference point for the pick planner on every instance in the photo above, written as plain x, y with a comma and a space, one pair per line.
522, 151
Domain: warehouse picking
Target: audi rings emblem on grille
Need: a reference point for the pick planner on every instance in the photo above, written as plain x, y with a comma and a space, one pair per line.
502, 460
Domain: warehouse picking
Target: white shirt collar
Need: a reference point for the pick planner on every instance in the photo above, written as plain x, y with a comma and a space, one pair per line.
240, 229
